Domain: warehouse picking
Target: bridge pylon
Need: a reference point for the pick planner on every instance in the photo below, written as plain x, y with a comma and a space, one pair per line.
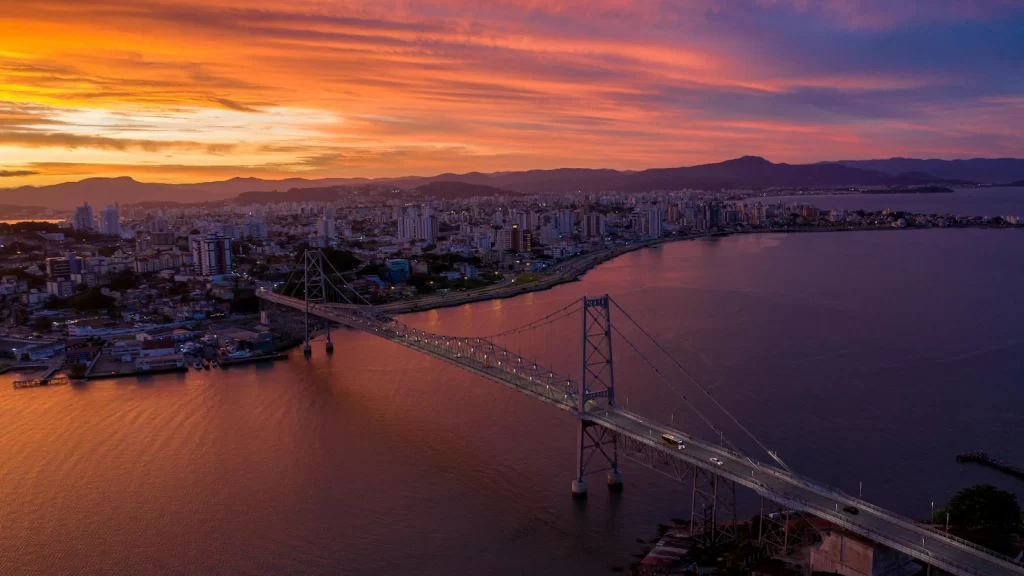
597, 391
315, 292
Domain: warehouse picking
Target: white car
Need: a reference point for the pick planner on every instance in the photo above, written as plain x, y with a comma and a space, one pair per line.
716, 461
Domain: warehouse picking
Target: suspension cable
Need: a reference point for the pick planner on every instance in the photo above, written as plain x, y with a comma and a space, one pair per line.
721, 434
773, 455
538, 322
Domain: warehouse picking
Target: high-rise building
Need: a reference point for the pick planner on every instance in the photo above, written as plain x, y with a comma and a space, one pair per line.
111, 220
565, 222
255, 229
483, 241
503, 239
408, 228
83, 220
428, 228
654, 221
211, 254
594, 225
159, 225
326, 228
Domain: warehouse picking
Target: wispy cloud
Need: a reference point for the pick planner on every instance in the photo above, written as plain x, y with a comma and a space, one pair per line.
396, 87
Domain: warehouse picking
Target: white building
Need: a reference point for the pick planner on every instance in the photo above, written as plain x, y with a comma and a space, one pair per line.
408, 228
428, 228
211, 255
326, 228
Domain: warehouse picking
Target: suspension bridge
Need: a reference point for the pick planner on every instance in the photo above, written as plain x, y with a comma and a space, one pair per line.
606, 432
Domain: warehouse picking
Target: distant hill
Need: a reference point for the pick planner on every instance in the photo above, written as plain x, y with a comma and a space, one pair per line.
747, 172
326, 194
459, 190
99, 192
981, 170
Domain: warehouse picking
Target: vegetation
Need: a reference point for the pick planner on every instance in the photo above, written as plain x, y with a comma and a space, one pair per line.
124, 280
91, 299
245, 302
984, 515
77, 370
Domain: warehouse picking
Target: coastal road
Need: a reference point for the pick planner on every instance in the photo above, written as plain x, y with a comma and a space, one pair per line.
565, 271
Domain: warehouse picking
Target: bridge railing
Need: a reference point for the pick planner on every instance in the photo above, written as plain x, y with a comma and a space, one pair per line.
493, 358
903, 545
890, 515
487, 356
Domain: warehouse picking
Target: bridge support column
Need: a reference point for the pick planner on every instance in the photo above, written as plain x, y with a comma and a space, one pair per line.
597, 392
773, 530
713, 508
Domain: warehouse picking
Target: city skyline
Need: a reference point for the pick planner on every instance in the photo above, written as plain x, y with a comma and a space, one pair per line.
187, 91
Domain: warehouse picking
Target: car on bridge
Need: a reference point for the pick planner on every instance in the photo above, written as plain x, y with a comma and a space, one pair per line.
673, 441
851, 510
715, 461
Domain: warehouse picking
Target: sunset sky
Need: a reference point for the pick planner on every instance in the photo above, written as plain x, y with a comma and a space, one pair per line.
193, 90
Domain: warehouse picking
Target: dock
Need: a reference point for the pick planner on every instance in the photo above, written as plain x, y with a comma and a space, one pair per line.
41, 382
225, 362
985, 460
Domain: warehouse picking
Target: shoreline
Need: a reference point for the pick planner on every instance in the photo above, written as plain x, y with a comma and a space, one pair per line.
577, 268
591, 260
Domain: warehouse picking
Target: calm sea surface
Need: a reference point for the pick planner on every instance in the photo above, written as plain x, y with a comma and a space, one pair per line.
866, 356
965, 202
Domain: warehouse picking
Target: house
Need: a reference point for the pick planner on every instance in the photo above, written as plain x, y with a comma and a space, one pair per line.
82, 355
126, 350
41, 351
164, 362
161, 347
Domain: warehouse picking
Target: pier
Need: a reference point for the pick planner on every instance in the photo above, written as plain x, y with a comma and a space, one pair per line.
41, 382
985, 460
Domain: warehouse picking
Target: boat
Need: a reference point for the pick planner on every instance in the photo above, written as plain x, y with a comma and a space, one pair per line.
239, 354
197, 365
206, 363
214, 363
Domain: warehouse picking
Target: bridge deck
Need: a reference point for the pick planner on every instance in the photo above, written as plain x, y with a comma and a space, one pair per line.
486, 359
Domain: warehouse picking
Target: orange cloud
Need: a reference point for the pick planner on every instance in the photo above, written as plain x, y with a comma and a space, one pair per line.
187, 88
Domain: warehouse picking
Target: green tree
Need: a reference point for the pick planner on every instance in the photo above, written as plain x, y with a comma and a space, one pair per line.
984, 515
77, 370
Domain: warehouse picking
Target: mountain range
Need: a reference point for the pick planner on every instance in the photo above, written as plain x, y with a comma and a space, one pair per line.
746, 172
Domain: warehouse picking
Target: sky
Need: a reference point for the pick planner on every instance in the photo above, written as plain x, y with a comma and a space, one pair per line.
199, 90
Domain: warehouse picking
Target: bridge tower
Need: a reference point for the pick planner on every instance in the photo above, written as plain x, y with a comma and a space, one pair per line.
597, 391
316, 293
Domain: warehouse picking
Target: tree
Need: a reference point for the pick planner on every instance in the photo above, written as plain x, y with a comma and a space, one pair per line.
245, 302
91, 299
984, 515
124, 280
42, 323
77, 371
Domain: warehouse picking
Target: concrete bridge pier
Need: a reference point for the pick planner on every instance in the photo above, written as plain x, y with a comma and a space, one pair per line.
615, 481
307, 349
579, 488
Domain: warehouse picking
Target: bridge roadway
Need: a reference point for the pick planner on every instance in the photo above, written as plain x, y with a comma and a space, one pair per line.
495, 363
